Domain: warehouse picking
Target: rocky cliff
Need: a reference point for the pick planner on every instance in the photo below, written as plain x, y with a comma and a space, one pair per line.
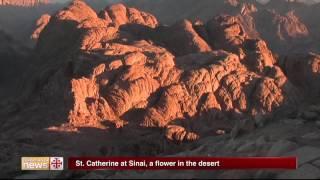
121, 60
119, 82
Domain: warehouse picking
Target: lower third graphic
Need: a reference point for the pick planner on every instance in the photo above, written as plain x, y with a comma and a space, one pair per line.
56, 163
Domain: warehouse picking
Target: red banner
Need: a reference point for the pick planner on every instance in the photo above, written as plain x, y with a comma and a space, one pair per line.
182, 163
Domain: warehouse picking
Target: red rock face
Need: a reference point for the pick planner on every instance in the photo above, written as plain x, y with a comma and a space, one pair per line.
226, 32
182, 39
281, 30
188, 78
284, 25
41, 24
292, 27
123, 84
120, 15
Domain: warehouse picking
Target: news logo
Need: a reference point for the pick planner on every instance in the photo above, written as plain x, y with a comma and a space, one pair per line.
35, 163
56, 163
41, 163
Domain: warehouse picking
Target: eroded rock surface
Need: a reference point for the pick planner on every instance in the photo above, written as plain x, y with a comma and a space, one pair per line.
118, 82
119, 14
189, 77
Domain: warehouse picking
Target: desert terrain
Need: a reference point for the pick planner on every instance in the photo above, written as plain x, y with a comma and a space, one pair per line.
160, 78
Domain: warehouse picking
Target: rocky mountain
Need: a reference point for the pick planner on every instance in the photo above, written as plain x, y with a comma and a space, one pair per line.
288, 16
278, 22
141, 67
121, 60
285, 25
119, 82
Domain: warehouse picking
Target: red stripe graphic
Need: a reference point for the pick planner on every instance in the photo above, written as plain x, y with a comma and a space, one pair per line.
182, 163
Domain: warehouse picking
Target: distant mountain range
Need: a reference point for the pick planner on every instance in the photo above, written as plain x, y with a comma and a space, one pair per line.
24, 3
30, 3
167, 11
